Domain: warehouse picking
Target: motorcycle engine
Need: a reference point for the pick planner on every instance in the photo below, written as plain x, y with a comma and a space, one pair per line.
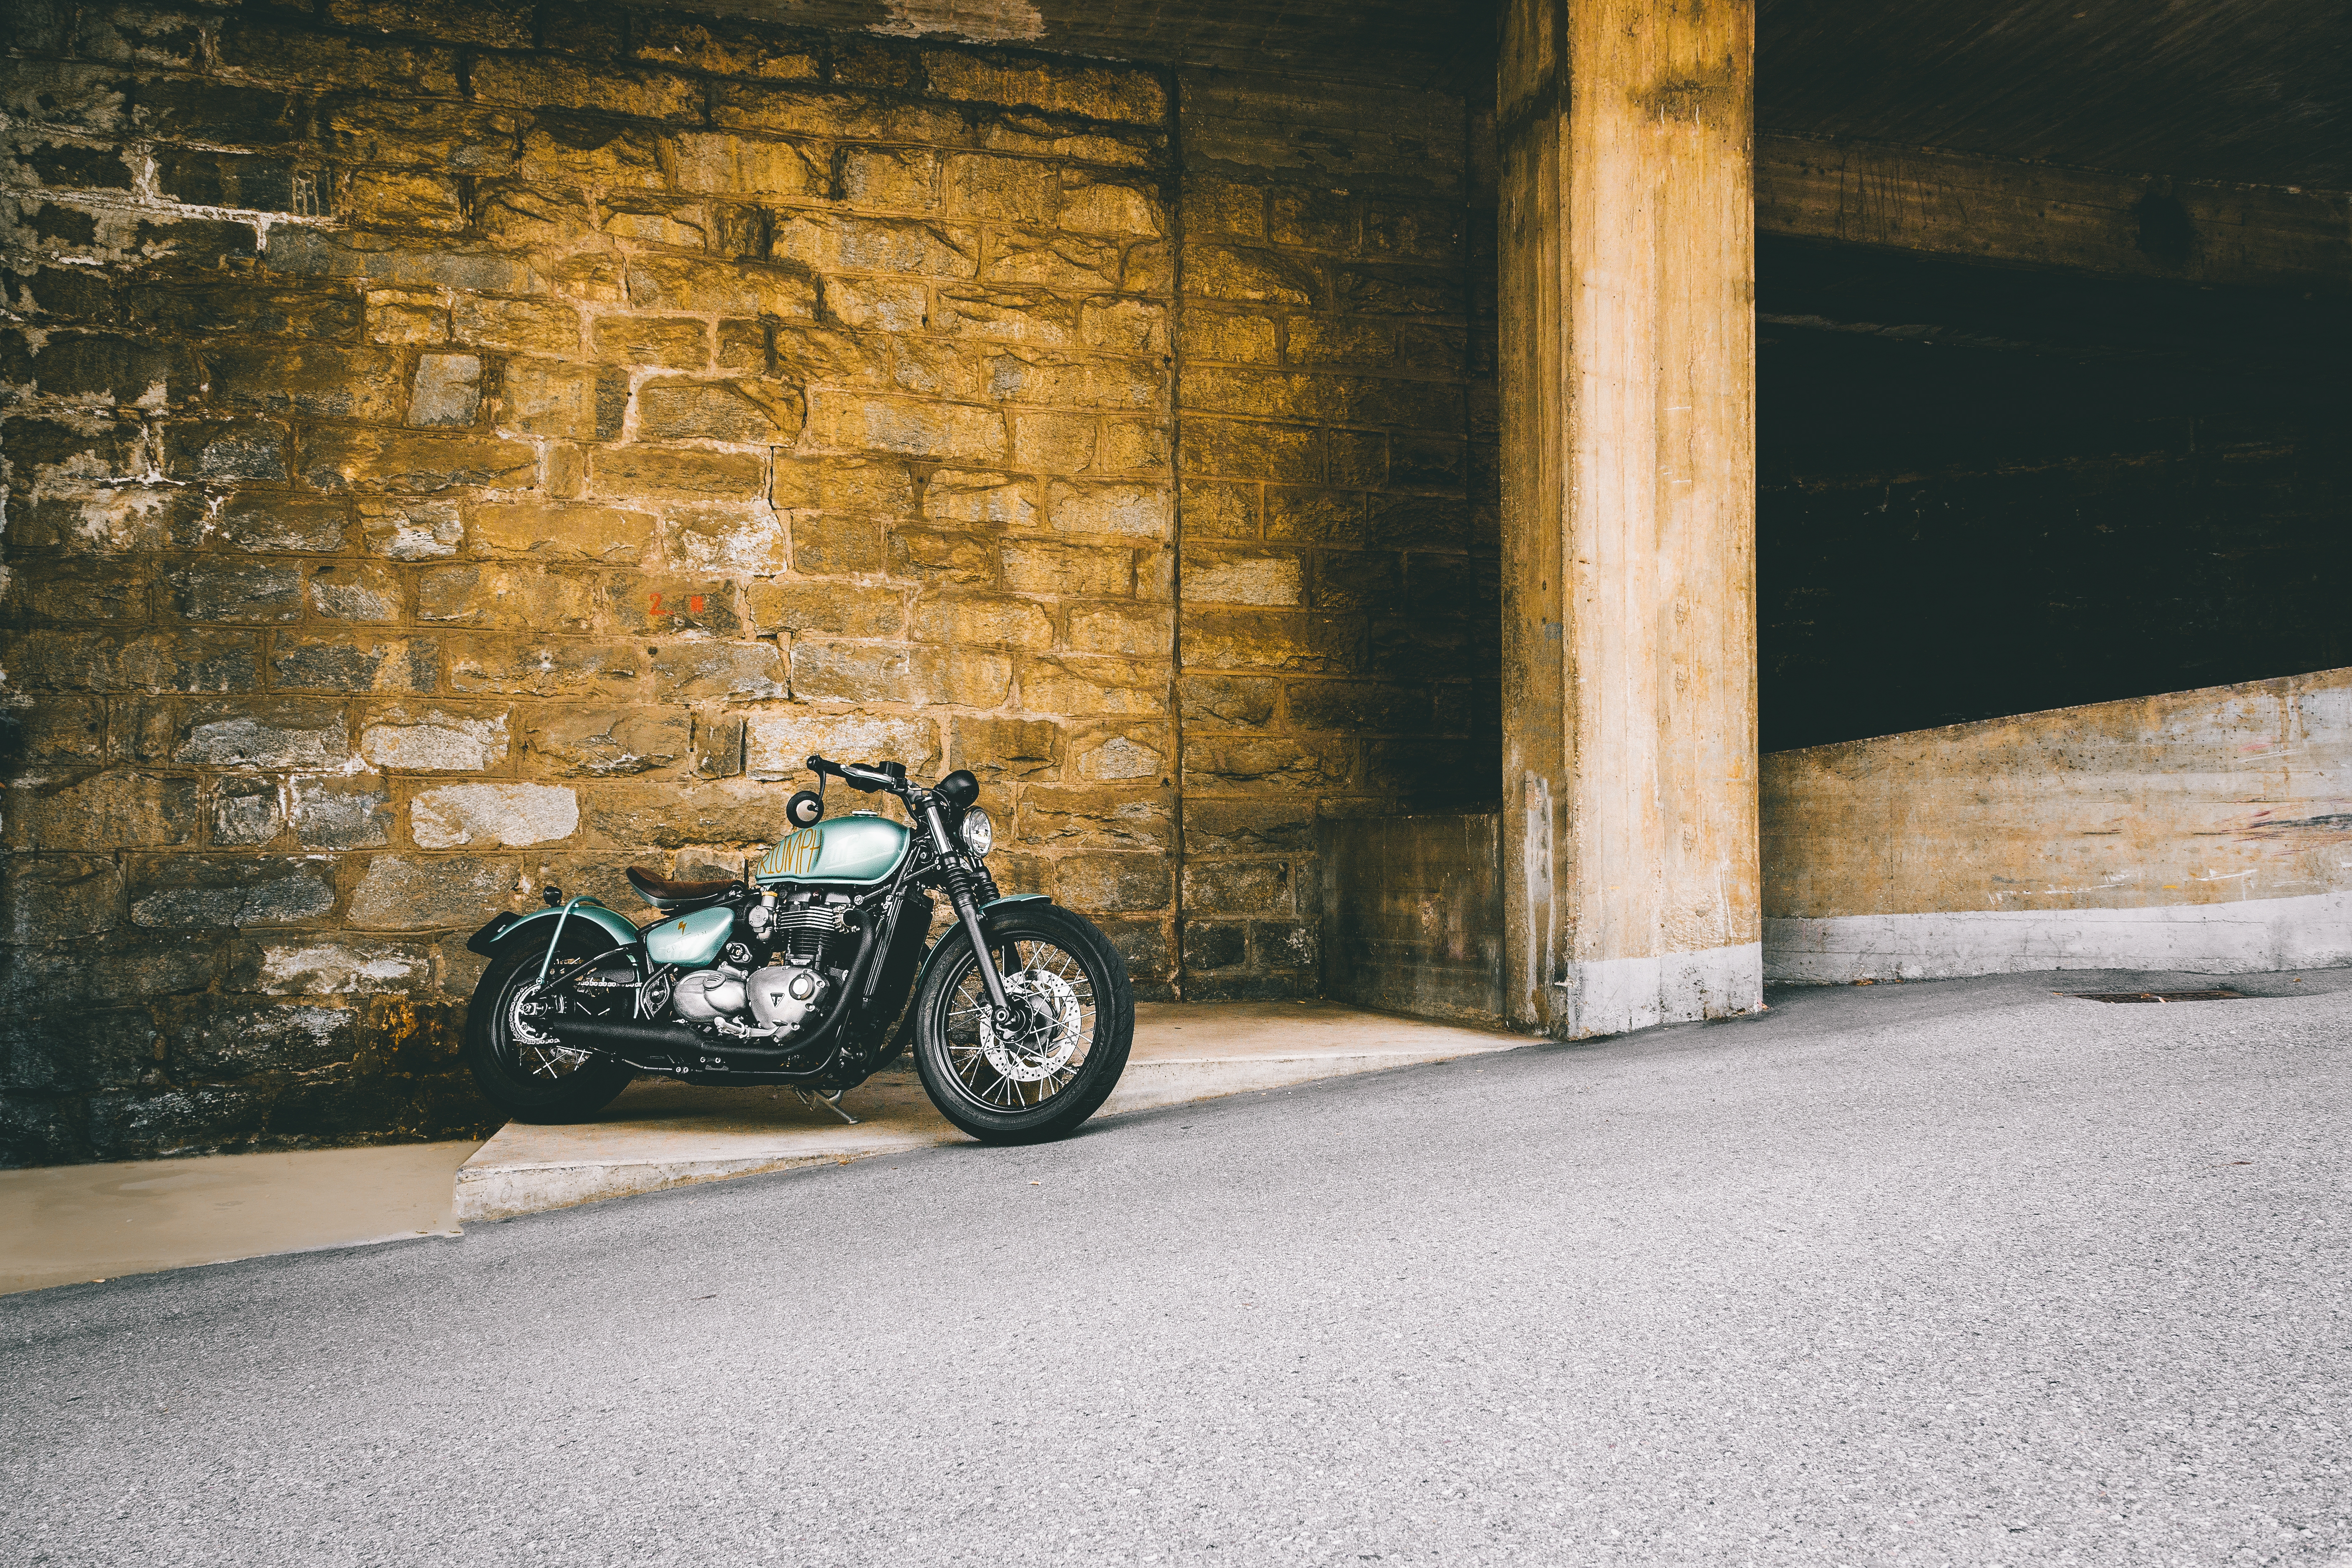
777, 998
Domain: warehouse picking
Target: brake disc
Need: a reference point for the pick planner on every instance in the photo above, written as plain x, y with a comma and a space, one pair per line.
1051, 1039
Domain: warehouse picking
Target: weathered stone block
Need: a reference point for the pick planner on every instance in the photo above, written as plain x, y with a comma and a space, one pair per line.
340, 966
1278, 826
575, 402
276, 524
1228, 699
727, 165
1004, 750
997, 621
1120, 758
906, 246
396, 316
46, 898
672, 342
1215, 204
402, 892
427, 740
910, 427
383, 461
1006, 316
78, 591
719, 747
1355, 579
110, 810
1095, 686
262, 734
488, 816
1312, 340
1127, 93
58, 729
878, 486
1314, 516
1077, 818
247, 811
1124, 326
232, 1037
604, 742
219, 450
1016, 190
354, 661
1120, 628
1210, 944
494, 666
827, 609
141, 661
1247, 450
342, 812
359, 591
104, 367
561, 532
723, 48
1273, 642
742, 672
1268, 764
753, 412
1214, 510
1142, 510
1113, 882
446, 391
1249, 276
1398, 290
411, 529
532, 326
778, 743
1358, 707
525, 598
737, 811
691, 285
1051, 567
1226, 576
76, 1052
178, 890
1238, 887
966, 497
237, 591
726, 536
635, 470
542, 82
836, 546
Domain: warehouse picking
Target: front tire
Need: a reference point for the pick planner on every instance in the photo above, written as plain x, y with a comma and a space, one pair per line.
1042, 1081
534, 1079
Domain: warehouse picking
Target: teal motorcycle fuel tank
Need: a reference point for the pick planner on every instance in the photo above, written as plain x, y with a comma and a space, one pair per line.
859, 847
689, 940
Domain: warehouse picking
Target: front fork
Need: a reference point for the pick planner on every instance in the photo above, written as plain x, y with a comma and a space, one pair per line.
967, 908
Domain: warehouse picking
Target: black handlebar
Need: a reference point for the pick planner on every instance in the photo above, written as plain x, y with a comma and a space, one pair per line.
861, 776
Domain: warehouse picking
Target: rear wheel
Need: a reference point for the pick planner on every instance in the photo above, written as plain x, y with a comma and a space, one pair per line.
1063, 1055
525, 1071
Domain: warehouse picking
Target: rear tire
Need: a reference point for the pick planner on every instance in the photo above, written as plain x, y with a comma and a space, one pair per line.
1080, 1025
531, 1080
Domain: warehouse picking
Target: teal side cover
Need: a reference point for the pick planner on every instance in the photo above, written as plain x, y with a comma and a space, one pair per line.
689, 938
540, 924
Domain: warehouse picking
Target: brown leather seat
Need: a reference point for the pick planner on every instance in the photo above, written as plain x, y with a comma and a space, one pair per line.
662, 890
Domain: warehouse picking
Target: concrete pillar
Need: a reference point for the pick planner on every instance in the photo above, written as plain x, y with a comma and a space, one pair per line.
1629, 582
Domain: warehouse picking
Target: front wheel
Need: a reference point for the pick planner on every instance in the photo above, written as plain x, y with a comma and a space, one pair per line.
1061, 1058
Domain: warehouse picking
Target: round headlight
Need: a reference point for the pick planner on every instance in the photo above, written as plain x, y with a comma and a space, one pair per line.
978, 833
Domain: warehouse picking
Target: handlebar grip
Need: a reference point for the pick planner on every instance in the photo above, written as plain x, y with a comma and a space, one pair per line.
856, 775
823, 765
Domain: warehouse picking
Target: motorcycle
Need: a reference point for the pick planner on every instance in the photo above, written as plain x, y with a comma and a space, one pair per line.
799, 973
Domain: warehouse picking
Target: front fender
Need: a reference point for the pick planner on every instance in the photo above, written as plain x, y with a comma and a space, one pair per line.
507, 933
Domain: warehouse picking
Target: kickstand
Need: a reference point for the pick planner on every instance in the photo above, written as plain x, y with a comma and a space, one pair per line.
830, 1101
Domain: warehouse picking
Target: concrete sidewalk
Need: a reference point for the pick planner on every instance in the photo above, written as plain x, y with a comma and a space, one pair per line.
664, 1135
66, 1224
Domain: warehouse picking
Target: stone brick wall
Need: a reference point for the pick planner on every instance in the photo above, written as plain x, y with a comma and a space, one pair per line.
1337, 457
450, 449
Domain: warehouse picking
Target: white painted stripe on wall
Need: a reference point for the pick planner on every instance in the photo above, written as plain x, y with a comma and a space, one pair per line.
2312, 932
1613, 995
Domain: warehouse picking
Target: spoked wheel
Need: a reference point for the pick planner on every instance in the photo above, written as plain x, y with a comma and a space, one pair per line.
525, 1070
1074, 1023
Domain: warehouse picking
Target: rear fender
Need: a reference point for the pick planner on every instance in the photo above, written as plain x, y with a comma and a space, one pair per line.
508, 934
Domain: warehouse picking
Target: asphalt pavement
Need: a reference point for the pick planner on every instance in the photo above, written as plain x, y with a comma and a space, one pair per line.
1959, 1273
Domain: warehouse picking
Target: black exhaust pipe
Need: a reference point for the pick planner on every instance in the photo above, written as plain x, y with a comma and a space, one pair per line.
637, 1039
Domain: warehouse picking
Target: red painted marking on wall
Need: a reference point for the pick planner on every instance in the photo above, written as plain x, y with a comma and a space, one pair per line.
657, 604
694, 604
